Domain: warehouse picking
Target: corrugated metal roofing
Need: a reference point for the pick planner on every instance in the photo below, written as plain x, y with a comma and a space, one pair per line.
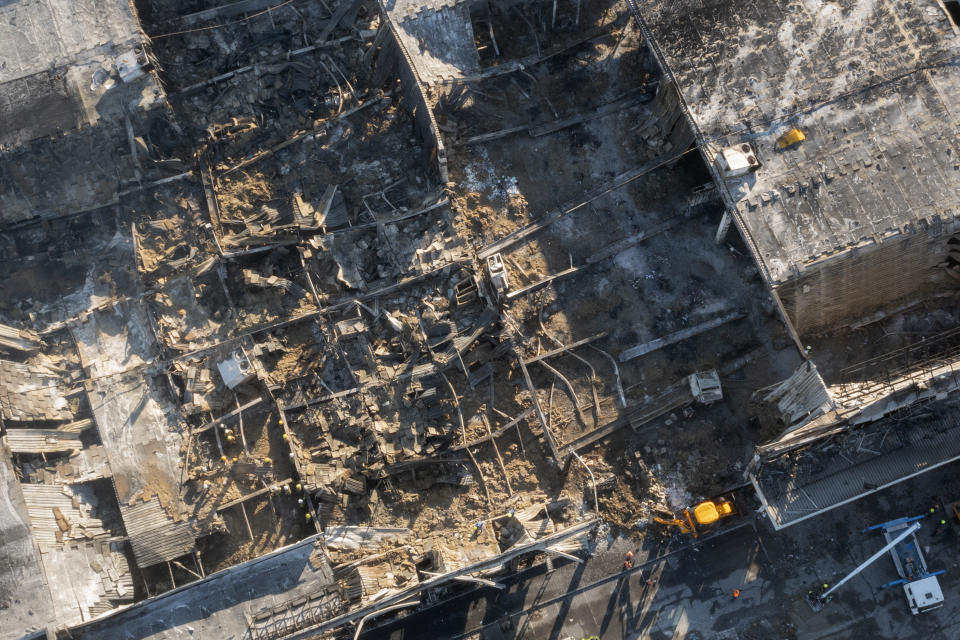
797, 487
42, 441
76, 509
19, 339
801, 396
82, 466
154, 536
142, 439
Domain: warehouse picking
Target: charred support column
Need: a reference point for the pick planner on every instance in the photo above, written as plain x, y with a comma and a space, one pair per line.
547, 434
724, 227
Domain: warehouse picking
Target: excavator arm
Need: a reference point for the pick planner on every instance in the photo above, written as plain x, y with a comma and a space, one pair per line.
684, 526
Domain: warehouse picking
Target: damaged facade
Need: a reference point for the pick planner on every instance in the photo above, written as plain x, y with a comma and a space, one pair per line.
316, 310
841, 178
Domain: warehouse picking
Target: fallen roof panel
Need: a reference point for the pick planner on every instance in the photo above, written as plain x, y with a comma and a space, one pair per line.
140, 433
154, 536
42, 441
29, 392
805, 484
220, 605
440, 40
27, 606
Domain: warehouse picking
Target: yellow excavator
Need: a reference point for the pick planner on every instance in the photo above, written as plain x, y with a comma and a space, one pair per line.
702, 515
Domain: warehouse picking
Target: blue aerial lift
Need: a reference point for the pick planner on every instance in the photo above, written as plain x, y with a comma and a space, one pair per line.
919, 584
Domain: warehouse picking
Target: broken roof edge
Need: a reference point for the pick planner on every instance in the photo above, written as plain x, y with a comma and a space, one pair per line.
730, 205
837, 422
496, 561
414, 9
218, 575
941, 383
779, 524
943, 223
424, 119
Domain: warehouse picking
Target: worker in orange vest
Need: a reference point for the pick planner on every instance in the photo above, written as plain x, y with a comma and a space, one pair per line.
629, 562
736, 593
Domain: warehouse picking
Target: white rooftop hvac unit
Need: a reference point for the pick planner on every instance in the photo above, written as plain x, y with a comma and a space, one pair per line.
236, 369
736, 161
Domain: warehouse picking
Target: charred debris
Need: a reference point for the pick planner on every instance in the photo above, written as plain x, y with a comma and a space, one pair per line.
314, 310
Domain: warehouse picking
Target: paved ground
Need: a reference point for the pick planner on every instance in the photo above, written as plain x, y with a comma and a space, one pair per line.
691, 596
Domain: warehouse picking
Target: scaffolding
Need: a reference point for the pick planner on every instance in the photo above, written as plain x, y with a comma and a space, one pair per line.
908, 366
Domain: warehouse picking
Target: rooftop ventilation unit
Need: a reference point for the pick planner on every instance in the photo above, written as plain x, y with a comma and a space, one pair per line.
736, 161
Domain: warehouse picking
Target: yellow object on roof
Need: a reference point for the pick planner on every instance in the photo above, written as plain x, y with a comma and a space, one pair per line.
790, 138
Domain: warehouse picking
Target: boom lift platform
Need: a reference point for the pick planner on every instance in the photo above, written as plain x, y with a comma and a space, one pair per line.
919, 584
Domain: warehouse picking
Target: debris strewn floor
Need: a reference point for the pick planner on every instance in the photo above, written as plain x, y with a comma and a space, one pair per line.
379, 300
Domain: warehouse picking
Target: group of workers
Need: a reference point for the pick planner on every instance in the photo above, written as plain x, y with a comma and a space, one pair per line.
940, 525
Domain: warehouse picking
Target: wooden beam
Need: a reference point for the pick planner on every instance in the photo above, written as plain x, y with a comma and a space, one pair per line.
572, 345
322, 399
300, 136
547, 434
76, 427
258, 492
251, 67
243, 510
496, 434
226, 11
496, 450
564, 554
344, 8
597, 112
228, 416
673, 397
522, 291
677, 336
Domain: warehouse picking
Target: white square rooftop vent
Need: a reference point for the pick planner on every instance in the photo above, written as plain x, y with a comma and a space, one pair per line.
236, 369
736, 161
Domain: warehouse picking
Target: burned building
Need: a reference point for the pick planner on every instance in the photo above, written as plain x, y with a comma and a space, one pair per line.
829, 132
350, 305
247, 325
77, 79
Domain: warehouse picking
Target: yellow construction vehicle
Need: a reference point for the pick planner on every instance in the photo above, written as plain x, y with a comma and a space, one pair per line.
702, 515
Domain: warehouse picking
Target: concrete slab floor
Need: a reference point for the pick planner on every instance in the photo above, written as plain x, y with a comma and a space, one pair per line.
690, 594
